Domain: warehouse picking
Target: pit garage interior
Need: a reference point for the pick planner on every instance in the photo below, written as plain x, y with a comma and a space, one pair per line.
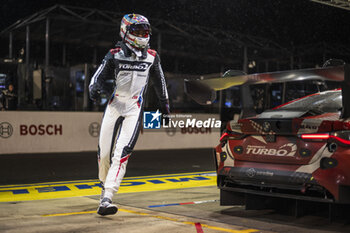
48, 162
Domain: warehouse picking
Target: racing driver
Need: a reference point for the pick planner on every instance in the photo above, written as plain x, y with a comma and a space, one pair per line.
131, 63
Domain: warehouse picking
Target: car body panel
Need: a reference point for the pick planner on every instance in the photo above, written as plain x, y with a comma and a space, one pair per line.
269, 152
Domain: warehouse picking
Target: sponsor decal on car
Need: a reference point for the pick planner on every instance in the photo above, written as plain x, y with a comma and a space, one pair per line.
288, 149
251, 172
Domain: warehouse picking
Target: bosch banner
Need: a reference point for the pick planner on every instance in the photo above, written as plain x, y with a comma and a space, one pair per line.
54, 132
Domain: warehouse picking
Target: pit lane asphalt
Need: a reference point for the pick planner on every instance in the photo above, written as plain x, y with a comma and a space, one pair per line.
149, 211
153, 211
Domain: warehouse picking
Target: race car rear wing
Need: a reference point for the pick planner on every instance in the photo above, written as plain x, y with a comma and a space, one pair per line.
204, 91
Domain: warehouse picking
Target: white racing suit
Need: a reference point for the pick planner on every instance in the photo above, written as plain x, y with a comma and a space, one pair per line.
123, 115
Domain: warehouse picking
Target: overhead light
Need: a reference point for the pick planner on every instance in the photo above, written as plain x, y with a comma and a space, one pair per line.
252, 64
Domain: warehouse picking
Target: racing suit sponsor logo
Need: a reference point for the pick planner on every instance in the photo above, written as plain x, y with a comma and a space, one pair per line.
288, 149
41, 130
134, 66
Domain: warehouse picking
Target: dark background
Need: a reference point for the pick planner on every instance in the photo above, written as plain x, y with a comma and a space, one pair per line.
284, 21
255, 36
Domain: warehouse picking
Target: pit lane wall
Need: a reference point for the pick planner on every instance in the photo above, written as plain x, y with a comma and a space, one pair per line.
54, 132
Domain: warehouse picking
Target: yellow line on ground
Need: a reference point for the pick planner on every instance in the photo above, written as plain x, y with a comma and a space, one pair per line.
132, 211
96, 180
229, 230
67, 214
159, 217
82, 189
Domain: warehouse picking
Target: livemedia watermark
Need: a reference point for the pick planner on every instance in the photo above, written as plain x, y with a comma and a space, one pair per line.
155, 120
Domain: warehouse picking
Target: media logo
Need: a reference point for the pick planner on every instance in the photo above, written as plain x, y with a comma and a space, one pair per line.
151, 120
6, 130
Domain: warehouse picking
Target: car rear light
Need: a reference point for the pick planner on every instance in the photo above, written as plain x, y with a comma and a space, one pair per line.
321, 136
230, 135
342, 136
339, 136
223, 136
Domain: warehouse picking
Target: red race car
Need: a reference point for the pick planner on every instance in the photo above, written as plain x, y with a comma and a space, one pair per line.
300, 149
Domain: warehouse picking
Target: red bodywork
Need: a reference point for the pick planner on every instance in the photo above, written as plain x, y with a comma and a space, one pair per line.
308, 155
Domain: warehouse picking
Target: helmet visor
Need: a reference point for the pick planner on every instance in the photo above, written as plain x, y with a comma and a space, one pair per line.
140, 30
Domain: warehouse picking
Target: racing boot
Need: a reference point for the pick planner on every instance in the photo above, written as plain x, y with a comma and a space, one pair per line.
106, 207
